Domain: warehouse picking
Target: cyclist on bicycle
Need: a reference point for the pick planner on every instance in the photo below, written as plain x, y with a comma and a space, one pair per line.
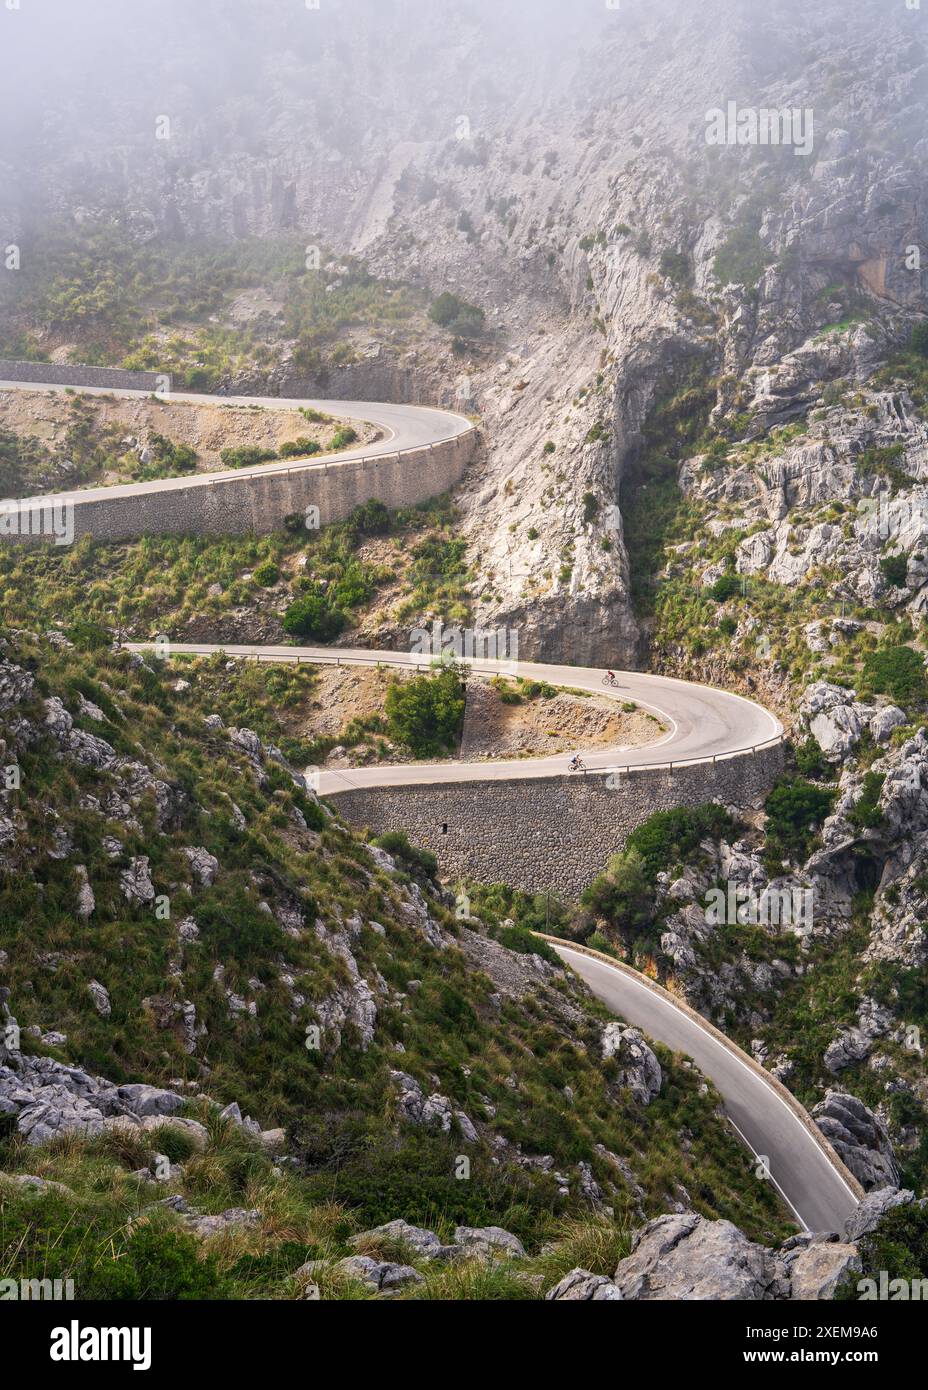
576, 764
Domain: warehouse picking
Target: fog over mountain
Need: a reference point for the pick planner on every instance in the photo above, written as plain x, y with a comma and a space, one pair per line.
669, 259
476, 154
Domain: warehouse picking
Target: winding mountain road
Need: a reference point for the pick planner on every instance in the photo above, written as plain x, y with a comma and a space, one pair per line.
403, 426
700, 724
801, 1164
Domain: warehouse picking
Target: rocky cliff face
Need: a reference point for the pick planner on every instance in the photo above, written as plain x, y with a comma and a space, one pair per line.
556, 172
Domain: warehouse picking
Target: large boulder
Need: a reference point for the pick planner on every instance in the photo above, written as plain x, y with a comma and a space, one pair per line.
489, 1242
639, 1069
873, 1208
425, 1244
100, 998
817, 1270
686, 1257
150, 1100
16, 685
203, 865
853, 1044
56, 1111
833, 718
859, 1138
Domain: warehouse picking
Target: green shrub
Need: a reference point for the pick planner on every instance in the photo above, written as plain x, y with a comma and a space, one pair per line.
343, 437
299, 448
670, 837
313, 616
623, 895
898, 672
811, 761
866, 814
425, 713
247, 456
725, 587
267, 574
370, 519
919, 340
236, 930
448, 311
89, 636
742, 258
887, 462
518, 939
676, 267
899, 1245
590, 507
168, 459
353, 588
794, 808
421, 863
895, 569
531, 911
359, 1161
106, 1257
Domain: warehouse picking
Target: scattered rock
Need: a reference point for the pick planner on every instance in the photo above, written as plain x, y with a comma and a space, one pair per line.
489, 1242
580, 1286
136, 883
859, 1138
101, 999
379, 1274
640, 1071
86, 903
425, 1244
234, 1217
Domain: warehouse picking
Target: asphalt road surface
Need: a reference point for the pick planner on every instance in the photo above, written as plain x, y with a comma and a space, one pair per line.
701, 722
811, 1185
403, 427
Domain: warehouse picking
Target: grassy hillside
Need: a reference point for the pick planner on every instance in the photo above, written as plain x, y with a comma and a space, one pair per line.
215, 969
377, 570
202, 310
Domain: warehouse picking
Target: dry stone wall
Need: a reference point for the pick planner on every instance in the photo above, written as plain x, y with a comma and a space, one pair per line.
554, 832
111, 378
259, 502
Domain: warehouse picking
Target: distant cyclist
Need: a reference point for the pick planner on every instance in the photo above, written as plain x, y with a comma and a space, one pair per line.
576, 764
609, 678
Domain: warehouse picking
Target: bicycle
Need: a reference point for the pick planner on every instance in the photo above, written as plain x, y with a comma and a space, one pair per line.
610, 680
577, 765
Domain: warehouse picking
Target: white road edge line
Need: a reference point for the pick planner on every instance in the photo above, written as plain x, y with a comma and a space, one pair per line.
731, 1052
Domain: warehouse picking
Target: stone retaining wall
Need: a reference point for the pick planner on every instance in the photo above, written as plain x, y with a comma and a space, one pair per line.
554, 832
259, 502
113, 378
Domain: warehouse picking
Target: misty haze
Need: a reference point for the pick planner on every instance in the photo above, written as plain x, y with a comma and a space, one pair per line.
463, 639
